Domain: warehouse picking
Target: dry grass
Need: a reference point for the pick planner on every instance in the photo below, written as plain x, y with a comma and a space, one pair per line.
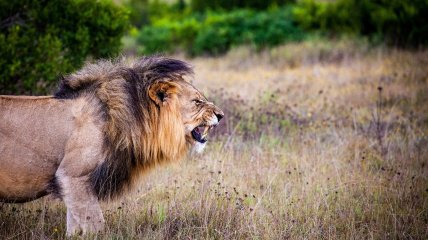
310, 148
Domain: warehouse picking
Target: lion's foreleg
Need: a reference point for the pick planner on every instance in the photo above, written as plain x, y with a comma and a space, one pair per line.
83, 210
72, 225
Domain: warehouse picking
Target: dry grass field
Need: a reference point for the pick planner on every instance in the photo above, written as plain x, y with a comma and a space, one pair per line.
321, 140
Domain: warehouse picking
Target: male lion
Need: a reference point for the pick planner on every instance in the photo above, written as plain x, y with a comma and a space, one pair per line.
105, 126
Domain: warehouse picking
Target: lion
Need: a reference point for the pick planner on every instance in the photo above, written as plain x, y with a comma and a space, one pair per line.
106, 125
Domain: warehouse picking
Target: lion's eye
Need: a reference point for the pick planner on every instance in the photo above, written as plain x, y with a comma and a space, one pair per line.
197, 101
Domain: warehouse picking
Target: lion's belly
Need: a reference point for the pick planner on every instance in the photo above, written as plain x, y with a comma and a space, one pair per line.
22, 189
24, 173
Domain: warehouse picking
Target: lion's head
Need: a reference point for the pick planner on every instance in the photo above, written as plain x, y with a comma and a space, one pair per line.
198, 114
151, 115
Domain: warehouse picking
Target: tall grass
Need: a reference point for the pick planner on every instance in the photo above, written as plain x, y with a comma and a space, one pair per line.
297, 155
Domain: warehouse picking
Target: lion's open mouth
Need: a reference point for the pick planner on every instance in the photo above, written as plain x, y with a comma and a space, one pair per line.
200, 133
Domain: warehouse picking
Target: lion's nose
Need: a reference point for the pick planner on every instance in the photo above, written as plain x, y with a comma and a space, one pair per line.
219, 116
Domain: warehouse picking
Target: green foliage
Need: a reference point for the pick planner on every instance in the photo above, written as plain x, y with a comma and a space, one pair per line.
261, 29
42, 39
145, 12
202, 5
217, 32
398, 22
166, 35
221, 31
198, 30
139, 14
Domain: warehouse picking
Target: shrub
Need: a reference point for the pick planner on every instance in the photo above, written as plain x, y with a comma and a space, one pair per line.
216, 32
272, 28
221, 31
41, 39
139, 12
156, 39
166, 35
202, 5
398, 22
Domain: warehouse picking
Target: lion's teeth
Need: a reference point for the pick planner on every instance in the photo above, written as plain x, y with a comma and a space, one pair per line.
205, 131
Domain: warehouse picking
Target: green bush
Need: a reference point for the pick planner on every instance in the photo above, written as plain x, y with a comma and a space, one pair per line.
139, 12
145, 12
203, 5
221, 31
41, 39
167, 35
398, 22
216, 32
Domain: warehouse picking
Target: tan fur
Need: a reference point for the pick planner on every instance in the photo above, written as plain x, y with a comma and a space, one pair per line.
108, 124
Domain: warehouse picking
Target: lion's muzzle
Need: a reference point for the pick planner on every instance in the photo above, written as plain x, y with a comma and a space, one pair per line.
201, 132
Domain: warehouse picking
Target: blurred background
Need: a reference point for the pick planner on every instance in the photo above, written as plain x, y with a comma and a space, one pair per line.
326, 127
41, 40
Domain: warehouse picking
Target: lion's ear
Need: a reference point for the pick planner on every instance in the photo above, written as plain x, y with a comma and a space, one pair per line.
161, 91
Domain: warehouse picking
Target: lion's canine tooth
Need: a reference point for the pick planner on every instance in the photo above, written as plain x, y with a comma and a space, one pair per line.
207, 128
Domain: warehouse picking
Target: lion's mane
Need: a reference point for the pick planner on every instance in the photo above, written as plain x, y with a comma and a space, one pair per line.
138, 134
